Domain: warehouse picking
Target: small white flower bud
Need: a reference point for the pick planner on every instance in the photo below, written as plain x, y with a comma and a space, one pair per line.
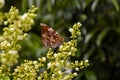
57, 64
69, 53
44, 59
35, 62
49, 65
55, 55
86, 61
77, 69
12, 29
71, 30
24, 16
5, 22
59, 72
75, 74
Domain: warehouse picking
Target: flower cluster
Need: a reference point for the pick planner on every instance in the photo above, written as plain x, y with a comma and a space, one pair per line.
28, 70
59, 65
55, 66
17, 25
75, 30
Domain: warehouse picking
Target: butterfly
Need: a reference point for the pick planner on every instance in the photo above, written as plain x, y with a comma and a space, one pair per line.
50, 37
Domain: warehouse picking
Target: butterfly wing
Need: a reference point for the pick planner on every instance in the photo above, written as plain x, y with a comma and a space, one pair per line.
55, 39
50, 38
45, 35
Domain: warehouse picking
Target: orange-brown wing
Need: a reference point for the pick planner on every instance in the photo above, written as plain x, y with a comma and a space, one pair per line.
50, 38
45, 35
55, 39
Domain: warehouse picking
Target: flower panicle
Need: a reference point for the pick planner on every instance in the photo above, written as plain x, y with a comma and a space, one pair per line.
14, 31
75, 31
59, 64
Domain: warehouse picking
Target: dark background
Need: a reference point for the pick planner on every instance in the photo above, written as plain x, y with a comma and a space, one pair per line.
100, 39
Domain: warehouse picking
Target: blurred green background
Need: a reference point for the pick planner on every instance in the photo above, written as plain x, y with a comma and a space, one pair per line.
100, 39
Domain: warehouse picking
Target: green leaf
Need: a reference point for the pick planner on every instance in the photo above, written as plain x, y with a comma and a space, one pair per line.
49, 5
32, 46
101, 36
38, 3
88, 2
90, 35
85, 3
94, 4
101, 55
31, 2
90, 75
24, 5
116, 4
77, 4
89, 53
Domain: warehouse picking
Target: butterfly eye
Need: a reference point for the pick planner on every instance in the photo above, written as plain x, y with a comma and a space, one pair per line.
50, 37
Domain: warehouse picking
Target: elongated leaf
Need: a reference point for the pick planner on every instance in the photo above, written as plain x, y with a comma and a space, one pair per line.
38, 3
77, 4
31, 2
90, 75
101, 36
90, 35
24, 5
49, 5
116, 4
95, 2
88, 2
89, 53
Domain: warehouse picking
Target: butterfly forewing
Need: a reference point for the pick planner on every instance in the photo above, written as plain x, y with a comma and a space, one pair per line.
50, 38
